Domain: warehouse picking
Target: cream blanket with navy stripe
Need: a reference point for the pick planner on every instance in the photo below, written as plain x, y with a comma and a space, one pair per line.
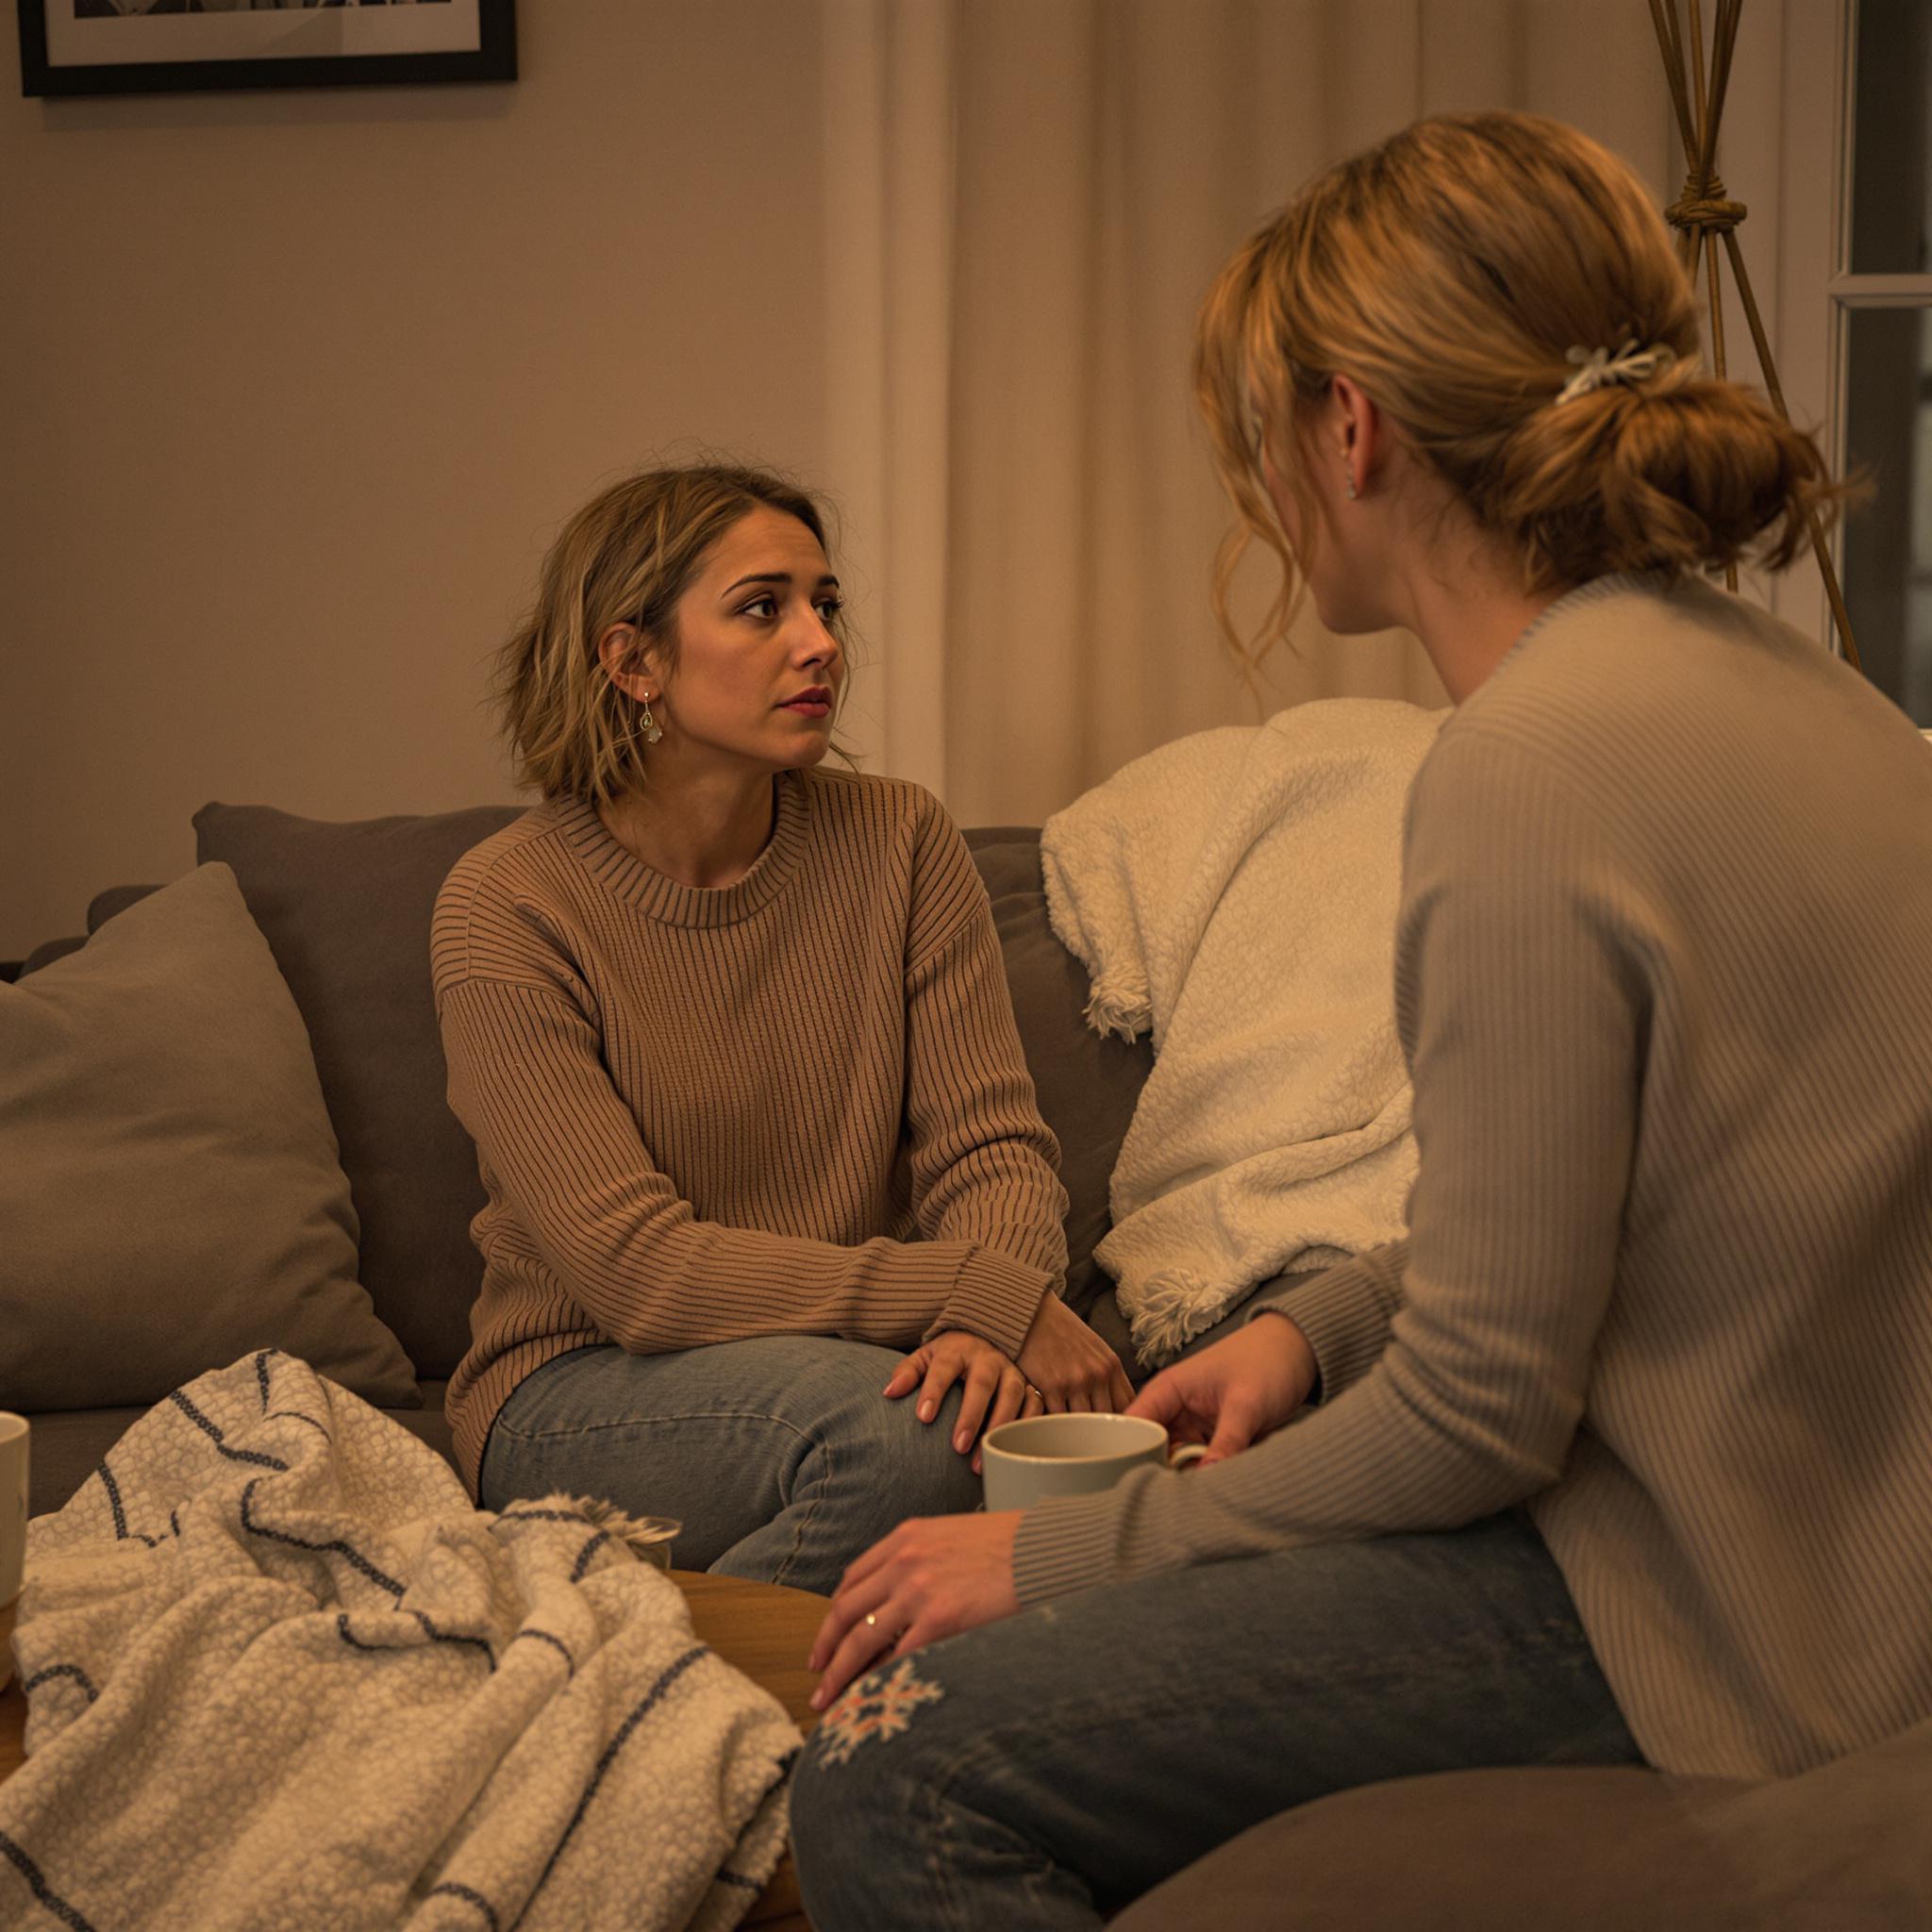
279, 1674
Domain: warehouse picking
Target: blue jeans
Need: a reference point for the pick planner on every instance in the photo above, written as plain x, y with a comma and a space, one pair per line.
1045, 1771
780, 1456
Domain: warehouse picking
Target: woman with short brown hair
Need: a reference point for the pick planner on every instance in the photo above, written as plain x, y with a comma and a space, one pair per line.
733, 1037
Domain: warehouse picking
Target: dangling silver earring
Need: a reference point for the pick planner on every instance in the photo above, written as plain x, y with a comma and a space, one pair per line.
647, 726
1348, 477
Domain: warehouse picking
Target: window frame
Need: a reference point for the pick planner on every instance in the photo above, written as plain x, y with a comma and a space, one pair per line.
1819, 293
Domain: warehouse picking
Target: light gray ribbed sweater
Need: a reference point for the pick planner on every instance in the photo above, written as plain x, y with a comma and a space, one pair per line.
796, 1105
1664, 980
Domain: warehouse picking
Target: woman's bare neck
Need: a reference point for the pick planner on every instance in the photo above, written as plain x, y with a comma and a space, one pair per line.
702, 835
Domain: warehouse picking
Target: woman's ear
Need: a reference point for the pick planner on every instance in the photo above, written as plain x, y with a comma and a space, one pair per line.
622, 652
1356, 429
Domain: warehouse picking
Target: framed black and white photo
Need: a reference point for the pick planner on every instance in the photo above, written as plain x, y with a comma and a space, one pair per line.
151, 46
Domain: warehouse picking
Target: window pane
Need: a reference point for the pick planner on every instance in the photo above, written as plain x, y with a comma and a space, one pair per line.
1891, 160
1887, 542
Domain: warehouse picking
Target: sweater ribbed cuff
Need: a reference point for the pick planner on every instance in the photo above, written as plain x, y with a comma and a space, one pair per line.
1067, 1544
994, 1296
1341, 1311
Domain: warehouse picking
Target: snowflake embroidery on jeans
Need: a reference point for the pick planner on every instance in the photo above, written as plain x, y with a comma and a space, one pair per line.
880, 1705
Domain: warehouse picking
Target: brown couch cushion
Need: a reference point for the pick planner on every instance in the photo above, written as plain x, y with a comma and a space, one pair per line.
168, 1184
345, 909
1843, 1848
1087, 1083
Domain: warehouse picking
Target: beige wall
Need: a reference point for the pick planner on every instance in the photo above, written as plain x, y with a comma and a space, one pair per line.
295, 387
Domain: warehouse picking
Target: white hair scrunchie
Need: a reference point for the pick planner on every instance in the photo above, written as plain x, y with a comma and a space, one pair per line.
1600, 368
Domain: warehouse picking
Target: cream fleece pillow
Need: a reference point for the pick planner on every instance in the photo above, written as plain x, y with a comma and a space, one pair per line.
170, 1194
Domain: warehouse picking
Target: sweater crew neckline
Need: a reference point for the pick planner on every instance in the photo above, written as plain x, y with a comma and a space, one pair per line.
620, 871
1620, 583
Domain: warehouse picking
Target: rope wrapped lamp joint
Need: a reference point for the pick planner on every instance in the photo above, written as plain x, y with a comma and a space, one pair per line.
1704, 206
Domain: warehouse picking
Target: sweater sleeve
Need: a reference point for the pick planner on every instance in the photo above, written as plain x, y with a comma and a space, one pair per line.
526, 1077
985, 1165
1457, 1382
1344, 1311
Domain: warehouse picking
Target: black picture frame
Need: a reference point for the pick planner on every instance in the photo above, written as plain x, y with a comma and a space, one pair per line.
493, 58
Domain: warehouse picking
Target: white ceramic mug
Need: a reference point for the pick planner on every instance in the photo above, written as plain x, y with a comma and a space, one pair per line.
1043, 1456
13, 1444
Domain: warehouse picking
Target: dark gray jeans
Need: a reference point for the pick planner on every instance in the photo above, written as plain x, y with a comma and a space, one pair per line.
1046, 1771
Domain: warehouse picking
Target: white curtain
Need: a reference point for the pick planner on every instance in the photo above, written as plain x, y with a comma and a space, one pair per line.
1025, 200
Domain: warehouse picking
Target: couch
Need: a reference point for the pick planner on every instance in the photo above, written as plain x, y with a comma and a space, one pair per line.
198, 1003
344, 910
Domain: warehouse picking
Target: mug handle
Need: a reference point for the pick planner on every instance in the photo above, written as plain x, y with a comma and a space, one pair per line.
1185, 1455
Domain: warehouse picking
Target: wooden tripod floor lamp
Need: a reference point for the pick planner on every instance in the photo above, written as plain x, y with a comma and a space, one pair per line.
1704, 216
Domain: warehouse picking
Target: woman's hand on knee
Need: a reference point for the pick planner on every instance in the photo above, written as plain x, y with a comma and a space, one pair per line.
1235, 1393
1069, 1364
991, 1390
932, 1577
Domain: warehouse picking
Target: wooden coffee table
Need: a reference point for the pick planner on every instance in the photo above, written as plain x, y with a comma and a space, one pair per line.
766, 1630
762, 1627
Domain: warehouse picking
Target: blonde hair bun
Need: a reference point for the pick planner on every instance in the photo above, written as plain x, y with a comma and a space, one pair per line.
1679, 472
1460, 272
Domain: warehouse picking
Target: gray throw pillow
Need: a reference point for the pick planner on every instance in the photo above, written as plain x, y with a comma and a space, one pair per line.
345, 909
170, 1195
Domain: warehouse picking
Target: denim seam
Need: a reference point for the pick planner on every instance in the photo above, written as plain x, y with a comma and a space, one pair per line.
933, 1797
824, 1447
636, 1422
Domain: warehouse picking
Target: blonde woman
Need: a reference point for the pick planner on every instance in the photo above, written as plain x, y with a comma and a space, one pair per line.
1626, 1452
733, 1037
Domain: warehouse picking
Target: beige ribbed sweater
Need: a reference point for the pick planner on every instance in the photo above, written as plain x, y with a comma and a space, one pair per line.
1664, 979
796, 1105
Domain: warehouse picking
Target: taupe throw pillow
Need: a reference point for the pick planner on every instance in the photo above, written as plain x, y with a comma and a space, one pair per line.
170, 1195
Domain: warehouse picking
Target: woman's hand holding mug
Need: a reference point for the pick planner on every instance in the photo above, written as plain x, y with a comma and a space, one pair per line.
1234, 1394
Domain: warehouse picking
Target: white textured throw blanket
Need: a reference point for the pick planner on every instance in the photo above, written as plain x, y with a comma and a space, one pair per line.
1236, 891
280, 1674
